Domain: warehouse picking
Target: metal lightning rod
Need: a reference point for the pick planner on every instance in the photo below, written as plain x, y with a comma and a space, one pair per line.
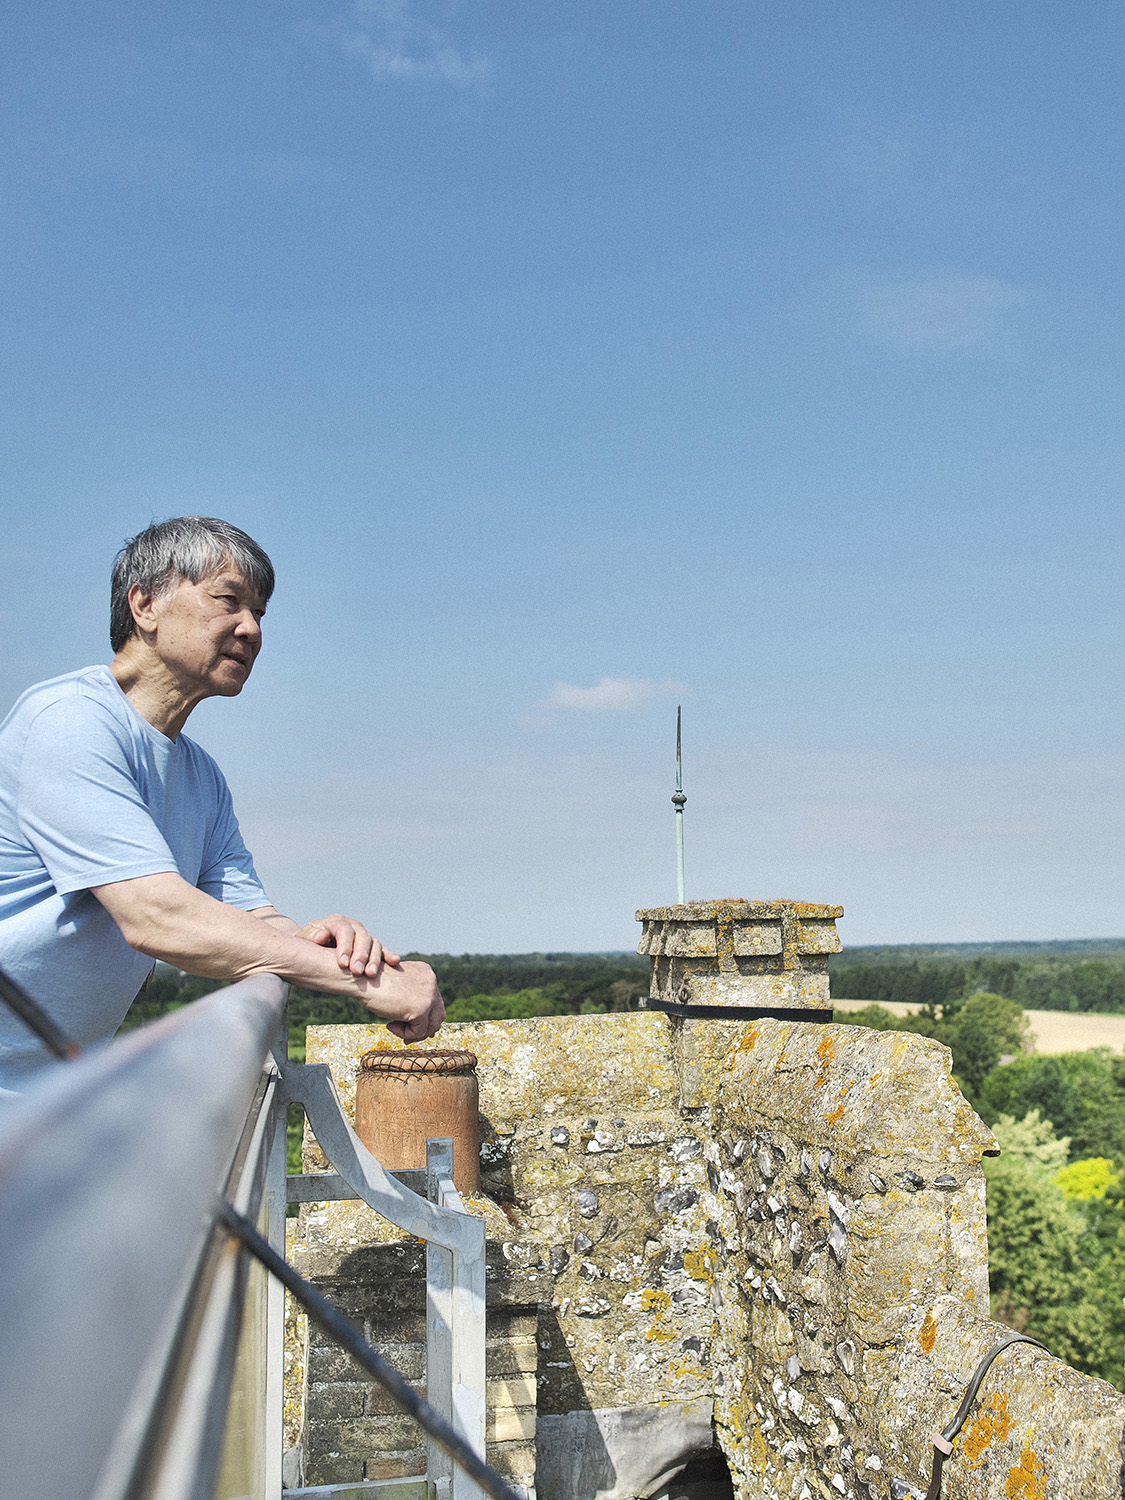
678, 800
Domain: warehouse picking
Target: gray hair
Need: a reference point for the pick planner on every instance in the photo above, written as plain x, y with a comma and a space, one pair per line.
186, 547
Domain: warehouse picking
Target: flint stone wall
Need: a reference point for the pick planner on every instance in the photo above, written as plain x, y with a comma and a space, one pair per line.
768, 1236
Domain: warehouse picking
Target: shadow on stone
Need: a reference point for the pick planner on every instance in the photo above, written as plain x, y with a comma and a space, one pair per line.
706, 1477
495, 1160
621, 1453
560, 1385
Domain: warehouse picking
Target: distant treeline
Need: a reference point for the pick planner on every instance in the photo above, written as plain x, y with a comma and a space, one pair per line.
1069, 948
1050, 981
577, 976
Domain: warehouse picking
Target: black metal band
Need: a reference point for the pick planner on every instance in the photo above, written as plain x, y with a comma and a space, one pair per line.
739, 1012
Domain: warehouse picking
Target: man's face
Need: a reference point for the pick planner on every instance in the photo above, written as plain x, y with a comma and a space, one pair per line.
208, 634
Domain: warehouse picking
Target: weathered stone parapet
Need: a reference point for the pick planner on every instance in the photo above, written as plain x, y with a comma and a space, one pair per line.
740, 953
780, 1222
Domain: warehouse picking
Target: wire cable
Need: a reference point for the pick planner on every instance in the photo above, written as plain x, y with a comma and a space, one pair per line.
943, 1440
36, 1019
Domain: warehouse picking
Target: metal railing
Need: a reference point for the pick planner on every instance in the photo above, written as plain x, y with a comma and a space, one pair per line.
141, 1341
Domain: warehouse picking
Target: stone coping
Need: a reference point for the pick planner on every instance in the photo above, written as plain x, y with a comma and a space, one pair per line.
736, 908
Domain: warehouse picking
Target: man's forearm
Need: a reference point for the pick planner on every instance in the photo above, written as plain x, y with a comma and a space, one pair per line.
166, 918
277, 920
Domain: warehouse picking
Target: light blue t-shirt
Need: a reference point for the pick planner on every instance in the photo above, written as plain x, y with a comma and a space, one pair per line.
91, 793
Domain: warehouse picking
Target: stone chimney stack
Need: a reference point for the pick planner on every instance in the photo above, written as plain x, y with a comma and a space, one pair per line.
741, 959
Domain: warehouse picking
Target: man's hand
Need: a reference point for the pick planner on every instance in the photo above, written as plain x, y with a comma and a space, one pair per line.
418, 981
356, 950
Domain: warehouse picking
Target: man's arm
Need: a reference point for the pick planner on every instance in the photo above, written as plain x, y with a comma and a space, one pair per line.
166, 918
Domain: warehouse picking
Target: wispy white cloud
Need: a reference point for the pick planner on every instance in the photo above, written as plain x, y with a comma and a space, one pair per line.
402, 46
942, 313
610, 695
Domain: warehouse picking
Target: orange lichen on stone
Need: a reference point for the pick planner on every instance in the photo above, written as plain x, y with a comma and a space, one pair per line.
826, 1051
1025, 1481
661, 1332
678, 1368
993, 1423
385, 1042
759, 1453
928, 1334
734, 1422
653, 1297
700, 1264
749, 1039
836, 1114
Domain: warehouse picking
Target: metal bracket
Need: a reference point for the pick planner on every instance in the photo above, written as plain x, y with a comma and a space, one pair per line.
330, 1187
455, 1267
311, 1086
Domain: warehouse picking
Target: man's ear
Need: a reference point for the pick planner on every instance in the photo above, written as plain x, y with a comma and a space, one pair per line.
142, 606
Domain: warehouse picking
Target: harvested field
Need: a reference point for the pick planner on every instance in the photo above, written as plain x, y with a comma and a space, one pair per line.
1055, 1030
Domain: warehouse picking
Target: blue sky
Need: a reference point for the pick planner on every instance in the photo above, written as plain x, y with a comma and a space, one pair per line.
573, 361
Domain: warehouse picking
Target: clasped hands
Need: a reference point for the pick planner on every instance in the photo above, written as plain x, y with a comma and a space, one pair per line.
356, 949
363, 956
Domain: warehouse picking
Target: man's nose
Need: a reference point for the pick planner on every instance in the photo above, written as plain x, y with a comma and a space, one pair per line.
249, 627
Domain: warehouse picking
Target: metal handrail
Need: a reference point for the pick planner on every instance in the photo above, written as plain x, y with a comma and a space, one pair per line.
123, 1301
110, 1279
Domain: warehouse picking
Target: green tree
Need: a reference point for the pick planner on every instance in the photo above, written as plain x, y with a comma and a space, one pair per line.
1033, 1141
975, 1053
1032, 1083
1002, 1017
1097, 986
523, 1003
1092, 1180
1039, 1279
998, 976
1082, 1093
985, 1028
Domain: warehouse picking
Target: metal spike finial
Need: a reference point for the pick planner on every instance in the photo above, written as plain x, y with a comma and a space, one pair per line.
678, 800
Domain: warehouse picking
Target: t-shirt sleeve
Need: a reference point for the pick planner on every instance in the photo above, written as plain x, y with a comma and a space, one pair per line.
79, 805
228, 871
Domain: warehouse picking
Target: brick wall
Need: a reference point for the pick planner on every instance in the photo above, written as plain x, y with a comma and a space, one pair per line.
352, 1430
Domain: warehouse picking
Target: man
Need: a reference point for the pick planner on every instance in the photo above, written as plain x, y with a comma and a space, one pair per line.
118, 840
